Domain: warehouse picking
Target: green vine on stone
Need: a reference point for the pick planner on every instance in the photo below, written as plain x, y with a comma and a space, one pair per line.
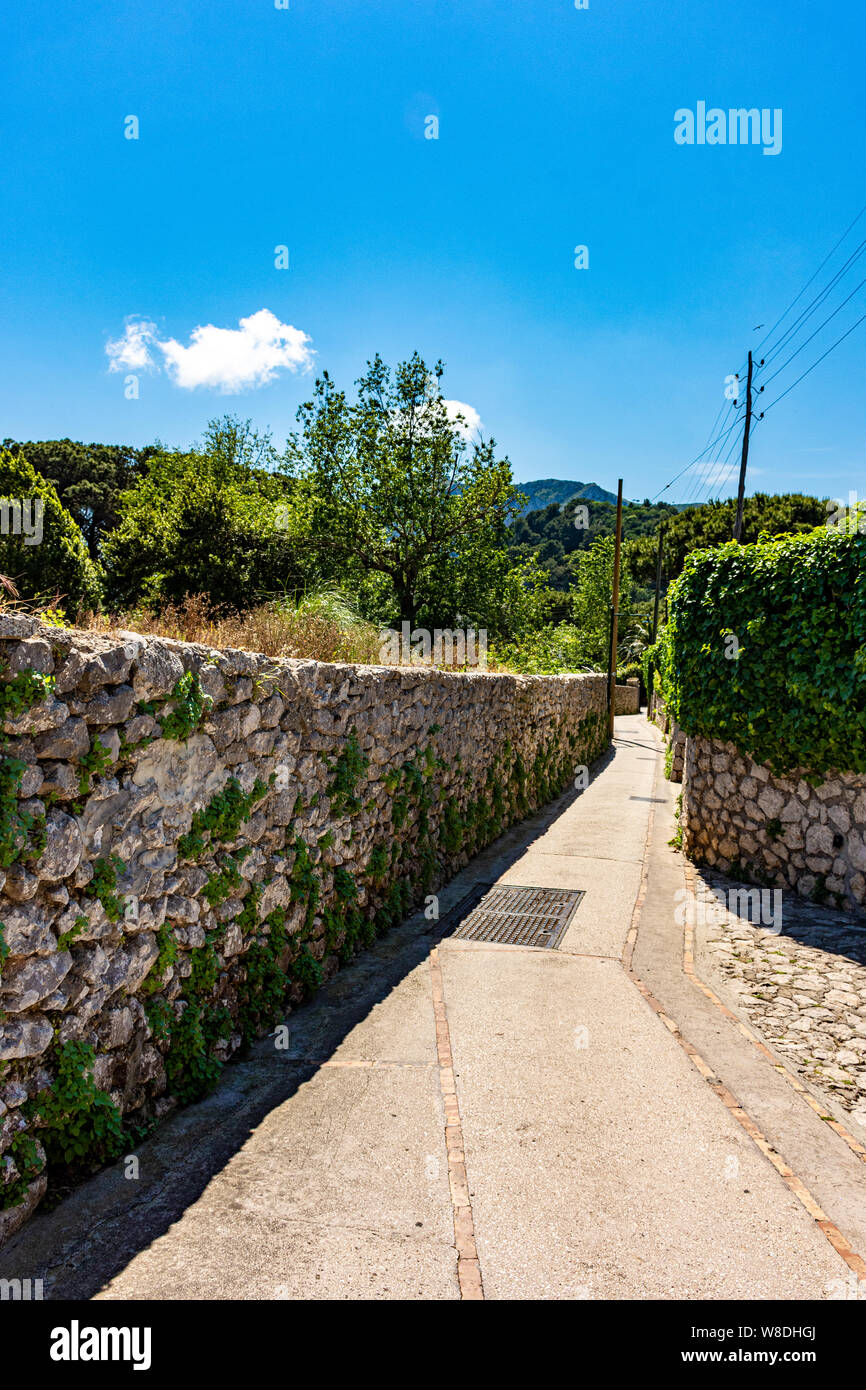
348, 769
96, 762
189, 705
104, 883
78, 1122
220, 821
23, 691
66, 938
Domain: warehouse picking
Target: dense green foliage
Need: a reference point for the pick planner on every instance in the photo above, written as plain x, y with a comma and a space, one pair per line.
552, 537
88, 479
583, 642
211, 521
78, 1122
59, 563
766, 647
713, 524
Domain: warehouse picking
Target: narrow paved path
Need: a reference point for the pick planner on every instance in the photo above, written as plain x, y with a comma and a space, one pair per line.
455, 1119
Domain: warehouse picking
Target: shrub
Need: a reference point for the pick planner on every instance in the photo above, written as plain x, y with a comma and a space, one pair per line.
60, 562
791, 690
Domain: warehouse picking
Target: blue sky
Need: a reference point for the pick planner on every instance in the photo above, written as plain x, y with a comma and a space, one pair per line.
304, 127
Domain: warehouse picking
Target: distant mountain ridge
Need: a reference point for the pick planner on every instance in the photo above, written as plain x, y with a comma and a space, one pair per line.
546, 490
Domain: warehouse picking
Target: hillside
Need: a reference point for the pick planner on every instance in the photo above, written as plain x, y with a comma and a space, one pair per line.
543, 491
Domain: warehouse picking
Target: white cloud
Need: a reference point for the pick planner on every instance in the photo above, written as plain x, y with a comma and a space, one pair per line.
471, 422
132, 350
721, 472
224, 359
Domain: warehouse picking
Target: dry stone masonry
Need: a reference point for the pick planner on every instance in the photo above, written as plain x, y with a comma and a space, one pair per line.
191, 841
740, 818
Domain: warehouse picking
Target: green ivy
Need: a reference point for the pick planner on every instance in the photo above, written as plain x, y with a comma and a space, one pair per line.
348, 769
795, 696
345, 886
192, 1069
96, 762
377, 864
221, 819
25, 1155
66, 938
306, 971
23, 691
15, 824
189, 705
103, 885
167, 948
78, 1123
303, 880
228, 880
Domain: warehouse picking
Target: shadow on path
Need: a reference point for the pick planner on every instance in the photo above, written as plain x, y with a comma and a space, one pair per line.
96, 1231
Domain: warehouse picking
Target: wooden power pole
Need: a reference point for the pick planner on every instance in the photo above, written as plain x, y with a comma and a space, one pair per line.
658, 580
738, 524
611, 675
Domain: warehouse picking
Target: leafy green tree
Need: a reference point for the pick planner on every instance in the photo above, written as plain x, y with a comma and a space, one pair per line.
88, 479
591, 599
711, 524
212, 520
42, 549
389, 485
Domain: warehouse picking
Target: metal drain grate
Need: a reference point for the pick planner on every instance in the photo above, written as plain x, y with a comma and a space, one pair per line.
515, 916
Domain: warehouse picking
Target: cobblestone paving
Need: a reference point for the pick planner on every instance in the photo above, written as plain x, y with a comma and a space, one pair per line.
800, 980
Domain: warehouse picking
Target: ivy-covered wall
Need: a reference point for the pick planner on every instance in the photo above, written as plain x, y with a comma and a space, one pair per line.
766, 649
191, 841
763, 666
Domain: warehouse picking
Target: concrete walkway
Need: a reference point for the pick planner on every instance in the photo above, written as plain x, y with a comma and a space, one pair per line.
457, 1119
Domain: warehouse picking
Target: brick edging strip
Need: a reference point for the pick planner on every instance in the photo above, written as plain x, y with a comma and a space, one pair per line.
468, 1266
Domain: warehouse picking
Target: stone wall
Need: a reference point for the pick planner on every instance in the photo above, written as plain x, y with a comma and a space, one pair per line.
193, 840
676, 739
626, 698
740, 818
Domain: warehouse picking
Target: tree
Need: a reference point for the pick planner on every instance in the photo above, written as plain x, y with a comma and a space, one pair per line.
711, 524
390, 485
212, 520
88, 479
42, 549
591, 598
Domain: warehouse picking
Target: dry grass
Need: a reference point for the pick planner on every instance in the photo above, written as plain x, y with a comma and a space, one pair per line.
322, 626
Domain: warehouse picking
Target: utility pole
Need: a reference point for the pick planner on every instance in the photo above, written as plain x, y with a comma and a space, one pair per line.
611, 675
738, 524
658, 581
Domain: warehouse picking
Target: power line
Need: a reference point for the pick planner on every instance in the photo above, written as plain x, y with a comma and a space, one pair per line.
695, 460
811, 278
776, 348
721, 470
814, 334
813, 366
713, 477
